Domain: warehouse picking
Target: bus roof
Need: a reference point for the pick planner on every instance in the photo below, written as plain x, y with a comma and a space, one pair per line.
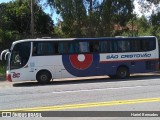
71, 39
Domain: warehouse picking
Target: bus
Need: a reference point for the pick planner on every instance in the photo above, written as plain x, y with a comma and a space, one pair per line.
48, 59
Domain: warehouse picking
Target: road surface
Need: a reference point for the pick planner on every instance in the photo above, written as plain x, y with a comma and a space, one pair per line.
138, 93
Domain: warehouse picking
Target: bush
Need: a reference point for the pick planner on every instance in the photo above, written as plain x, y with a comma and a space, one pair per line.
2, 69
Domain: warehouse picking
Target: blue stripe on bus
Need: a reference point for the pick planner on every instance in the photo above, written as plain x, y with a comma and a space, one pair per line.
108, 67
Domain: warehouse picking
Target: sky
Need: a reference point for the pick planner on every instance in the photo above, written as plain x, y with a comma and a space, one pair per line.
138, 7
55, 17
4, 1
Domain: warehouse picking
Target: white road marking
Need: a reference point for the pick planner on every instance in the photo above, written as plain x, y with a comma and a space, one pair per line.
96, 89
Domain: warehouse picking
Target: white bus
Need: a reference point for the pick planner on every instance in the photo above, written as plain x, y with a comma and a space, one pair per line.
46, 59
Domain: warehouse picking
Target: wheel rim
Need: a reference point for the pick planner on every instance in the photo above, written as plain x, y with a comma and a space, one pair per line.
122, 72
44, 77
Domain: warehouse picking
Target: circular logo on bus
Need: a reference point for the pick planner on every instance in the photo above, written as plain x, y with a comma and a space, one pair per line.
81, 64
81, 61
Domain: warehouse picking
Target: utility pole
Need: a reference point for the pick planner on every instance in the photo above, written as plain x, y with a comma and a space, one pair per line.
32, 19
132, 16
90, 19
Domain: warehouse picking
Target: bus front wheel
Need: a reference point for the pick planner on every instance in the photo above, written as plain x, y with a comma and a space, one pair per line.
44, 77
122, 72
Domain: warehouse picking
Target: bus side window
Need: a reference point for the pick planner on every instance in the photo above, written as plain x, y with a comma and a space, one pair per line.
66, 47
114, 46
127, 46
95, 46
60, 48
56, 47
63, 47
120, 45
123, 46
103, 46
71, 48
148, 45
43, 48
135, 45
84, 47
76, 45
34, 49
51, 48
151, 44
143, 45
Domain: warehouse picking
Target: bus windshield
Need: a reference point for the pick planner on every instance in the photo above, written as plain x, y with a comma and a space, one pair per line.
20, 55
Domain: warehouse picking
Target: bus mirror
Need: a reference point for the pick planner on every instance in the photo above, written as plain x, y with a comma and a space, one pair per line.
4, 51
6, 55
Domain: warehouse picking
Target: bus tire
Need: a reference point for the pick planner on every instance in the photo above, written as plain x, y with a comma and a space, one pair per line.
44, 77
122, 72
112, 76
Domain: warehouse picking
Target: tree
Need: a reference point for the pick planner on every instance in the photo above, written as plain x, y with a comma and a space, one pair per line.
73, 13
155, 21
114, 12
15, 22
16, 16
78, 21
144, 27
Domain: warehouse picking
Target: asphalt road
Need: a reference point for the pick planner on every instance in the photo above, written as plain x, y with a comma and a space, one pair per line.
138, 93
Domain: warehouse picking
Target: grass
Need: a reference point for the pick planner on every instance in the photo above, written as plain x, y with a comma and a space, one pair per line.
2, 69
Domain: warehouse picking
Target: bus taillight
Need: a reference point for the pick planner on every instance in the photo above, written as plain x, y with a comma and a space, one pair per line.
8, 77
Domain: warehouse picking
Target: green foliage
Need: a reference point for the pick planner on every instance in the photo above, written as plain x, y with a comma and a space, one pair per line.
80, 18
99, 18
73, 13
2, 69
18, 13
7, 37
144, 27
58, 32
155, 21
90, 18
115, 12
15, 18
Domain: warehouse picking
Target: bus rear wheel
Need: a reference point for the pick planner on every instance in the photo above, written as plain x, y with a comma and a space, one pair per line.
112, 76
44, 77
122, 72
